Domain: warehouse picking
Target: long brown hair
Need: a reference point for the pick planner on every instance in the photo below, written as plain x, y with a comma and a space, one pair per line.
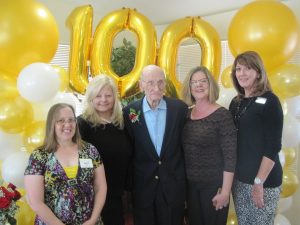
50, 143
252, 60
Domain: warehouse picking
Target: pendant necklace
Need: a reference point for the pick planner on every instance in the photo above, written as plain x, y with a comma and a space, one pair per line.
240, 111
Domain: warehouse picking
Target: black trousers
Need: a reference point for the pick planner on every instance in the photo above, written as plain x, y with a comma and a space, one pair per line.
200, 207
112, 212
159, 213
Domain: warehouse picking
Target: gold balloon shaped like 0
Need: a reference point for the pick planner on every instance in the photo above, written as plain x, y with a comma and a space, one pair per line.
267, 27
203, 33
34, 135
25, 215
285, 80
101, 50
15, 114
28, 33
289, 155
290, 183
80, 23
226, 77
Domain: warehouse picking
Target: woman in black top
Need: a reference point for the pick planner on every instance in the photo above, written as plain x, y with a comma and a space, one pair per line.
259, 120
102, 125
209, 144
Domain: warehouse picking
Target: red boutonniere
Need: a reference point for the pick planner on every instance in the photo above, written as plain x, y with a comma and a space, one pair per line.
134, 116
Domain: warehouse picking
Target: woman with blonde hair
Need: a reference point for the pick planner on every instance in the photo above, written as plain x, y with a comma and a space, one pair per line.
209, 145
101, 124
65, 179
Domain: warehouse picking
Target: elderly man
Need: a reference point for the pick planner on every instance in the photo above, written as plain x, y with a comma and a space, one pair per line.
154, 124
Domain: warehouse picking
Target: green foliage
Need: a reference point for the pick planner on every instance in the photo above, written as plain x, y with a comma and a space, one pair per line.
123, 58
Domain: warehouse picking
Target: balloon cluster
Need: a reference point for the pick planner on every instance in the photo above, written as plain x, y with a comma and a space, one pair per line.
29, 86
268, 34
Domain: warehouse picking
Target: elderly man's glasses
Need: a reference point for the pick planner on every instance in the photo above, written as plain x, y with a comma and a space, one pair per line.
152, 84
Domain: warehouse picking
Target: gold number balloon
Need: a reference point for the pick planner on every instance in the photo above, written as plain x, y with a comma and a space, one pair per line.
268, 27
203, 33
80, 24
101, 50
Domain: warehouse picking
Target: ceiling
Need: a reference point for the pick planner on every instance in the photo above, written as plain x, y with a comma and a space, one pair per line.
160, 12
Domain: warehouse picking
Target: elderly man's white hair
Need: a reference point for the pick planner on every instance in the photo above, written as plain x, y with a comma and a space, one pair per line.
152, 68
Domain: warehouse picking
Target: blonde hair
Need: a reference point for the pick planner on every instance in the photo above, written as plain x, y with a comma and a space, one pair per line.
90, 113
213, 92
50, 143
252, 60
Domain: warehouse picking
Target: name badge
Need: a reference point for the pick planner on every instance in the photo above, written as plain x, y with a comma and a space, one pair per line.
261, 100
86, 163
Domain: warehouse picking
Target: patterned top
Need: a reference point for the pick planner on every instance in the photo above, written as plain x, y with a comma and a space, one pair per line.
209, 147
71, 200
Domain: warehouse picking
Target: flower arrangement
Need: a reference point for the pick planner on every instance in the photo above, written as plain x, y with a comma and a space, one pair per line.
134, 116
8, 207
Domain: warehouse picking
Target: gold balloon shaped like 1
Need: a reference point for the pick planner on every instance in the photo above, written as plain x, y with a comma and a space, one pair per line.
33, 135
80, 23
290, 183
31, 35
101, 50
203, 33
15, 114
267, 27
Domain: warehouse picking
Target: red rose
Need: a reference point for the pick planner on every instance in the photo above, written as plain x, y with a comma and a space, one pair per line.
5, 198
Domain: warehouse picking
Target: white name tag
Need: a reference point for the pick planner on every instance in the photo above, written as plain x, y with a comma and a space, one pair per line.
261, 100
86, 163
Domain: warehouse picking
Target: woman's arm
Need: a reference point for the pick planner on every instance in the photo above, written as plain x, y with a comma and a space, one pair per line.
100, 195
221, 199
34, 185
258, 189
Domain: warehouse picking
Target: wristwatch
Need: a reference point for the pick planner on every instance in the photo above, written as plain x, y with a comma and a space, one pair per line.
257, 180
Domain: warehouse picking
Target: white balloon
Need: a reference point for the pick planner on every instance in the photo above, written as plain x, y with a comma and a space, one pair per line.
291, 132
69, 98
38, 82
281, 220
281, 158
9, 144
13, 168
293, 106
226, 95
284, 204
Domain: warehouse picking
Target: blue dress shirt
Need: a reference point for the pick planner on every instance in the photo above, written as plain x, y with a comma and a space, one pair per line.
156, 122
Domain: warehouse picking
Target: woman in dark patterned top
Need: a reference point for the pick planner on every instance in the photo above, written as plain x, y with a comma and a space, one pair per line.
209, 143
65, 179
259, 119
101, 124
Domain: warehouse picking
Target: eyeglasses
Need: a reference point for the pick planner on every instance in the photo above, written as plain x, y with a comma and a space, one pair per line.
63, 121
194, 83
151, 84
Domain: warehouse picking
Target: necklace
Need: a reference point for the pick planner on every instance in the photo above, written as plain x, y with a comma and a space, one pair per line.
240, 111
